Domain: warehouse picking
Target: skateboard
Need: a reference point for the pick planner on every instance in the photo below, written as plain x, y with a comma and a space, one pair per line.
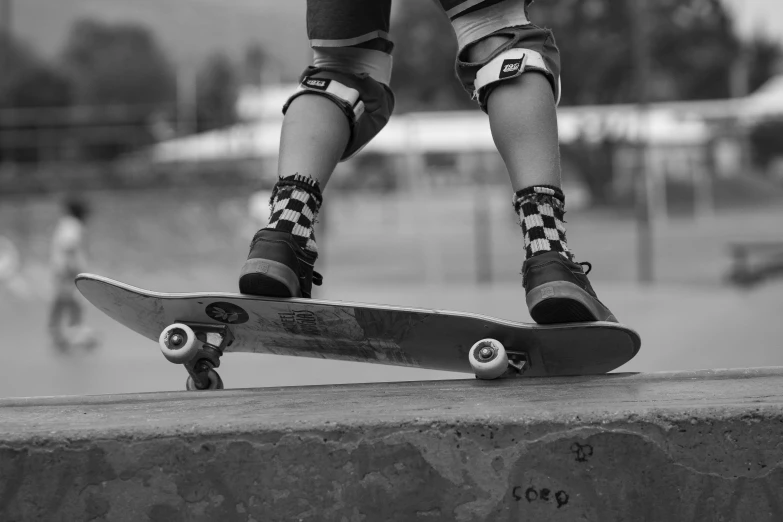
197, 329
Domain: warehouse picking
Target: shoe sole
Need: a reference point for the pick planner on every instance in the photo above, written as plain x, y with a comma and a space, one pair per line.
267, 278
564, 302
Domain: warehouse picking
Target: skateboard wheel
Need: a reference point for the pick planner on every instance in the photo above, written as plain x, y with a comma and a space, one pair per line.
178, 343
215, 382
488, 359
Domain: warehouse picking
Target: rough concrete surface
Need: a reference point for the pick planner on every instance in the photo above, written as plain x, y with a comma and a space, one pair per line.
667, 446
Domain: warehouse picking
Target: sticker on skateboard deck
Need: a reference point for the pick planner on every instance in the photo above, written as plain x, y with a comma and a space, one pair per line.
196, 329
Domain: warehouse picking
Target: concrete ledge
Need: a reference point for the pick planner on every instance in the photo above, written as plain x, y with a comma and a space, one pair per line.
670, 446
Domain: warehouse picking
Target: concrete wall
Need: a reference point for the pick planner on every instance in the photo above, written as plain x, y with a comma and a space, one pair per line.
669, 446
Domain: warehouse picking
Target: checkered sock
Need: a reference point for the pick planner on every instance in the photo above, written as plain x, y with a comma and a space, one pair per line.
541, 209
294, 208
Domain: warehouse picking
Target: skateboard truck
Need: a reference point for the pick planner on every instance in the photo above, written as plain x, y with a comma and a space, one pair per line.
517, 362
490, 360
198, 347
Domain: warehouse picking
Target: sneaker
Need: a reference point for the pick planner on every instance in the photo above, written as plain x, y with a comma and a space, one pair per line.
277, 266
558, 291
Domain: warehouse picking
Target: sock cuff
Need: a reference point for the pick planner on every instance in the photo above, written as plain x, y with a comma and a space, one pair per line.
539, 194
301, 182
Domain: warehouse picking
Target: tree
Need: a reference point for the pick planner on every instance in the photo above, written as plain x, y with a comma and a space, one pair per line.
256, 60
38, 86
29, 81
766, 140
118, 64
766, 56
124, 79
423, 78
216, 94
693, 44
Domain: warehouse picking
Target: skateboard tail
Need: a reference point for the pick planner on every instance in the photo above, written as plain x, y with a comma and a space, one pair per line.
123, 304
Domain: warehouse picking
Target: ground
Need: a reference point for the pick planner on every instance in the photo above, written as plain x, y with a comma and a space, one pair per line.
396, 253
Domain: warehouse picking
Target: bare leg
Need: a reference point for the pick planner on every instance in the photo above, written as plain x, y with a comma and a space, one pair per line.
74, 311
314, 137
524, 124
57, 313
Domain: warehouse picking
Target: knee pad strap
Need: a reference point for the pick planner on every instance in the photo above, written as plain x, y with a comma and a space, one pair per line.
342, 95
366, 103
510, 64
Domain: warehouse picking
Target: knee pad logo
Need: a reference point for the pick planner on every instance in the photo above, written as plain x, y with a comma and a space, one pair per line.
319, 84
510, 68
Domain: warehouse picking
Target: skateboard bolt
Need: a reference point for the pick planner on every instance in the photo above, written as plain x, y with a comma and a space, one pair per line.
486, 353
176, 340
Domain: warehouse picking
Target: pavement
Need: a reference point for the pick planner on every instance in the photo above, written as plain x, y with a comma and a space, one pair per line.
688, 320
703, 445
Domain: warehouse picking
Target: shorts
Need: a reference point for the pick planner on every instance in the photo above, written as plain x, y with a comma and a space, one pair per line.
366, 23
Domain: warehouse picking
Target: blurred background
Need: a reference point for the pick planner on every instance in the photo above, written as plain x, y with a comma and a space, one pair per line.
163, 116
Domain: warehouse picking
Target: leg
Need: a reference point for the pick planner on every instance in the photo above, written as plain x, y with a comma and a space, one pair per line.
314, 137
343, 101
512, 68
74, 311
57, 313
349, 38
524, 123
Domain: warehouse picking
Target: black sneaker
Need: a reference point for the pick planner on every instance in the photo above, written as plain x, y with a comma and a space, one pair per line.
278, 267
558, 291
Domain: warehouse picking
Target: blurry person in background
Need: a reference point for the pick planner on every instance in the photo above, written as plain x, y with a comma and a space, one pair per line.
10, 266
68, 259
508, 65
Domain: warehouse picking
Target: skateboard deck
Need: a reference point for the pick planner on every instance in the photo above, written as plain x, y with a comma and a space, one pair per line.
419, 338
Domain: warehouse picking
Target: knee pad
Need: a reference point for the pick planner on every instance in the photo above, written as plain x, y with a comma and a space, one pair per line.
365, 101
526, 48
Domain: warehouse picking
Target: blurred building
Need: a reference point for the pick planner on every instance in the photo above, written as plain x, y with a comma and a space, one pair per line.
688, 141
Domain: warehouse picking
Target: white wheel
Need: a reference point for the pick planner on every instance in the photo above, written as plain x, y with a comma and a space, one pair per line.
215, 382
178, 343
488, 358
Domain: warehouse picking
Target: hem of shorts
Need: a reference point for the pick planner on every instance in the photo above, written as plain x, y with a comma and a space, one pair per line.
468, 33
377, 64
347, 42
464, 6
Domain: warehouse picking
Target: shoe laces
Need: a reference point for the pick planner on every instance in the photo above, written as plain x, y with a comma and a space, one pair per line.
587, 264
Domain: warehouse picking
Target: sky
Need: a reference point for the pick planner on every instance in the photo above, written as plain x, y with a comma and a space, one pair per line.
758, 15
